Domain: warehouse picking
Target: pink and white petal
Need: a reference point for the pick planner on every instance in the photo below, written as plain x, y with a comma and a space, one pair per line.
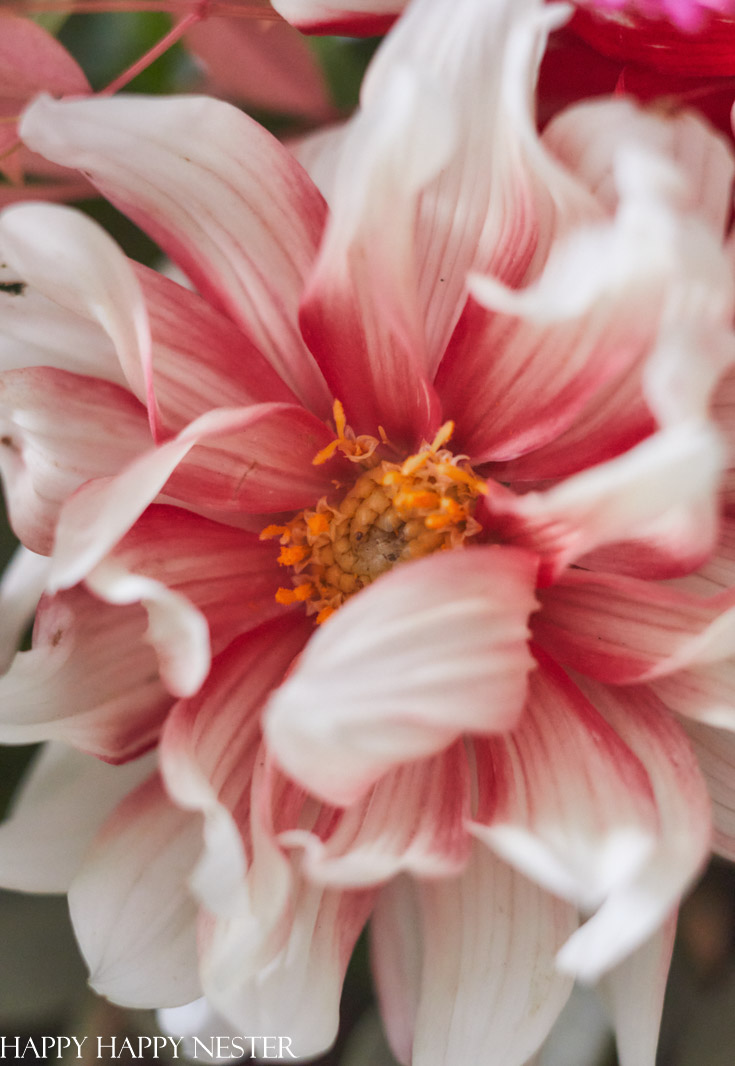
319, 154
194, 1021
396, 956
267, 455
562, 798
412, 820
133, 915
660, 497
623, 630
488, 975
715, 751
59, 807
21, 587
492, 205
177, 631
58, 431
634, 992
71, 260
723, 411
352, 17
35, 331
359, 314
209, 750
586, 138
220, 195
263, 63
201, 360
630, 915
91, 680
429, 651
229, 574
296, 991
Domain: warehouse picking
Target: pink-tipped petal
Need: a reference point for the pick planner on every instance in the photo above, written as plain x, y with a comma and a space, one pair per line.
634, 992
56, 814
133, 915
351, 17
488, 976
90, 680
263, 464
637, 909
21, 587
219, 195
433, 649
562, 798
58, 431
624, 630
75, 263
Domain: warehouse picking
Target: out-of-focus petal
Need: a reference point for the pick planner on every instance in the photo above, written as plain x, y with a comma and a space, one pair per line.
90, 680
22, 584
634, 991
562, 798
632, 914
488, 976
434, 648
715, 751
396, 953
263, 63
133, 915
623, 630
56, 814
58, 431
32, 61
352, 17
221, 196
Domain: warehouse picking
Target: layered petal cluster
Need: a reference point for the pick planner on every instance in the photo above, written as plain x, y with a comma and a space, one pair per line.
504, 752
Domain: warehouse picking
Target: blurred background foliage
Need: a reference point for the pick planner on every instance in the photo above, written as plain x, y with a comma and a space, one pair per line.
42, 979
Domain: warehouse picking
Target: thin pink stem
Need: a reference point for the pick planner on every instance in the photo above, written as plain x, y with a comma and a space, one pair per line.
153, 53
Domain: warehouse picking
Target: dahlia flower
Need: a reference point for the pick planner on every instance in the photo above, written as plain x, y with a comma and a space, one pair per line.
401, 541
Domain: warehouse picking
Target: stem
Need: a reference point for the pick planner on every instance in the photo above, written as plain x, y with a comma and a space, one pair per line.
153, 53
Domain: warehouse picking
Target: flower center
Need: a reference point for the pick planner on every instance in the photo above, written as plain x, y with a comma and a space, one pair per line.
392, 513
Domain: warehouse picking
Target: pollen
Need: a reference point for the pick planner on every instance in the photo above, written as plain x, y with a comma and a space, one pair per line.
393, 512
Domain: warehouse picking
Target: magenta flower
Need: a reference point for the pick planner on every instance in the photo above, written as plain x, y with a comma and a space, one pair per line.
458, 672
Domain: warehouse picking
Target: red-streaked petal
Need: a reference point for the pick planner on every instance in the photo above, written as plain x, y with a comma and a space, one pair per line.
58, 431
624, 630
488, 977
229, 574
61, 804
133, 915
634, 992
90, 680
412, 820
431, 650
261, 460
23, 582
632, 914
201, 360
219, 195
660, 497
74, 262
562, 798
359, 314
715, 751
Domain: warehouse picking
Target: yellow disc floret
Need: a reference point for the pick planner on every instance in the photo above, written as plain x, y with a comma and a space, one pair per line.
392, 513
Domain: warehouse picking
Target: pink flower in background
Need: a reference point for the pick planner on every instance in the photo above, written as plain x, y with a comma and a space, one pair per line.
503, 352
